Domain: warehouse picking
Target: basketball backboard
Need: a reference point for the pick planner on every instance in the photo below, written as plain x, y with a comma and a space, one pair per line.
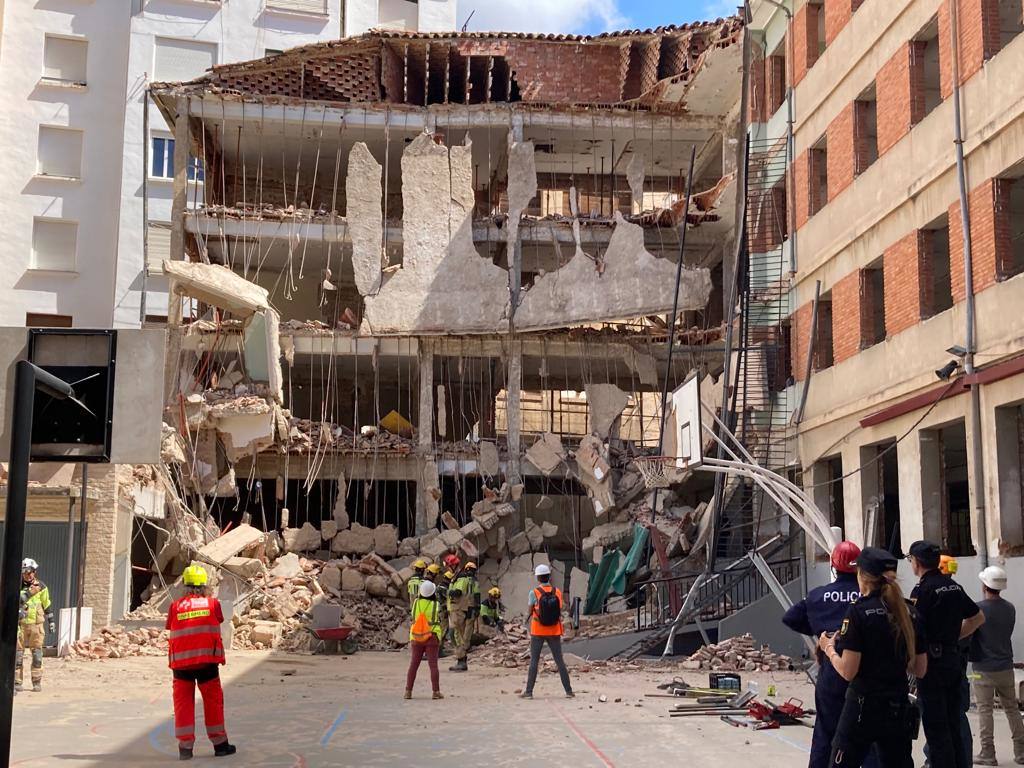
689, 440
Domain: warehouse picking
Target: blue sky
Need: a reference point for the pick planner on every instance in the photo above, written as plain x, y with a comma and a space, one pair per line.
586, 16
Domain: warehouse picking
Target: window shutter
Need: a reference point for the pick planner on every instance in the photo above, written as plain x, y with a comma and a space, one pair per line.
179, 60
158, 247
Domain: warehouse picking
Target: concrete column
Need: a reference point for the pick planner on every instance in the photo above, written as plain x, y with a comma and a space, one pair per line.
426, 505
918, 457
514, 387
855, 495
179, 204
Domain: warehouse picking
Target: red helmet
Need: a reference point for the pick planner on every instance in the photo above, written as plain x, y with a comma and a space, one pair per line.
452, 561
844, 555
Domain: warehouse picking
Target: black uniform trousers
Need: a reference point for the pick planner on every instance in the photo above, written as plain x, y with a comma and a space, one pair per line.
940, 695
873, 720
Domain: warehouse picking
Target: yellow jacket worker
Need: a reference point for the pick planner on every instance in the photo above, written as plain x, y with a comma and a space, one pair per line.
35, 616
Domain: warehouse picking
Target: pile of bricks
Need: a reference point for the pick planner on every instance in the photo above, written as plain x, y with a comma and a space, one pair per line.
118, 643
738, 654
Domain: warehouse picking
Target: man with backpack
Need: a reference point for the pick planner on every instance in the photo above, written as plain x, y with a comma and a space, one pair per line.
546, 627
425, 638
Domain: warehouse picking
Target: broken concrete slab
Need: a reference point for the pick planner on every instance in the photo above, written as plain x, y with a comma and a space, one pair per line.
579, 583
287, 566
451, 538
547, 453
608, 535
266, 633
595, 473
409, 547
217, 285
433, 549
635, 179
245, 433
238, 539
519, 544
364, 216
328, 529
304, 539
244, 567
357, 540
534, 535
549, 529
340, 513
472, 529
330, 578
262, 352
352, 580
489, 463
605, 403
385, 540
377, 585
449, 522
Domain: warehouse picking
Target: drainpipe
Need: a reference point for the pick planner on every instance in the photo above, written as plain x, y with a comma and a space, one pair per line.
790, 143
145, 206
970, 344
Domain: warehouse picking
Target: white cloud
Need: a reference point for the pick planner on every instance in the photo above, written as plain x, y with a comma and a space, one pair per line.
542, 15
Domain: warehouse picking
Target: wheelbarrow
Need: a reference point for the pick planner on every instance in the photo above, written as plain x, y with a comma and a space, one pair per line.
333, 640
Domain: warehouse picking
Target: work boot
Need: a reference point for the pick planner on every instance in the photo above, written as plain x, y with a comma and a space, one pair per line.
224, 750
570, 695
37, 687
437, 695
985, 760
408, 695
459, 666
184, 753
526, 695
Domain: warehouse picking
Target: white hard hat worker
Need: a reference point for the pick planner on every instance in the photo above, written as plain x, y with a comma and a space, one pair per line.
994, 578
542, 570
28, 564
427, 589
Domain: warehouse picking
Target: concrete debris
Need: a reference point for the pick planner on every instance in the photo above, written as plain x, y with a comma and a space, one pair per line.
738, 654
237, 541
606, 403
385, 540
547, 453
304, 539
217, 285
357, 540
635, 179
116, 642
287, 566
595, 473
490, 465
363, 195
615, 534
245, 567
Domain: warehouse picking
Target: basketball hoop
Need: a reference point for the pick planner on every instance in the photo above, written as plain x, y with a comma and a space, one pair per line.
655, 470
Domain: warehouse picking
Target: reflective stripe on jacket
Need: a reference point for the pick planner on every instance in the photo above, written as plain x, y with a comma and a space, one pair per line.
429, 609
194, 626
536, 628
469, 596
35, 601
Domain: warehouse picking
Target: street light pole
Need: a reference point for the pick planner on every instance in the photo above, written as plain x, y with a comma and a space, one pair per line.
27, 379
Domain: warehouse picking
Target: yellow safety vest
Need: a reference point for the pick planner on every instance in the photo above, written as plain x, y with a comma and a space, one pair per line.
36, 602
429, 610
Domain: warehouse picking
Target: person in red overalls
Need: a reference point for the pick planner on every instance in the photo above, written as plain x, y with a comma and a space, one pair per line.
195, 654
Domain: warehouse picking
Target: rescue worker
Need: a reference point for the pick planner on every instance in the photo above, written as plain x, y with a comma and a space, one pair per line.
412, 586
545, 604
463, 608
425, 638
195, 653
491, 608
35, 617
948, 616
877, 644
442, 600
452, 562
432, 573
823, 610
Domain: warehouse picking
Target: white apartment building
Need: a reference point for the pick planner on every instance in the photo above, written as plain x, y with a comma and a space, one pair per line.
74, 75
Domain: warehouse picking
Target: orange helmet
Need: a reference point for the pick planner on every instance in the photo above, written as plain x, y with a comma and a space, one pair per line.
948, 564
844, 555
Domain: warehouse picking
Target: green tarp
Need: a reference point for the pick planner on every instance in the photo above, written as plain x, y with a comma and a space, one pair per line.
611, 574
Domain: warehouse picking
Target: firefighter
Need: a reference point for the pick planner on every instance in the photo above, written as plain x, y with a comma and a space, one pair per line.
463, 608
442, 601
412, 586
195, 653
491, 608
35, 617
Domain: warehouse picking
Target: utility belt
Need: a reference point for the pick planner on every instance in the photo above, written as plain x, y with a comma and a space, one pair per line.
943, 650
900, 709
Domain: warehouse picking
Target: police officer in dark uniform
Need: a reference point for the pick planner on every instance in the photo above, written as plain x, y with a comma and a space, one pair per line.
823, 610
877, 644
948, 615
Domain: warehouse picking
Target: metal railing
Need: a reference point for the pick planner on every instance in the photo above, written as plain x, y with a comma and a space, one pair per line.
655, 599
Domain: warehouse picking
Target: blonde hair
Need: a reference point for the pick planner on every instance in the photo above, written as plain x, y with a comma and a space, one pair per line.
899, 614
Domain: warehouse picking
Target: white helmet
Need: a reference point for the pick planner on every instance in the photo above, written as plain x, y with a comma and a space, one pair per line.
542, 570
994, 578
427, 589
28, 564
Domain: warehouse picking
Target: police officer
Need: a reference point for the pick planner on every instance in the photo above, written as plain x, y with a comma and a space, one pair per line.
877, 644
948, 615
823, 610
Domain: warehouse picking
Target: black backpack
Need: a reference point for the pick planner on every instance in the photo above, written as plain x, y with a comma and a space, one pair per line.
549, 608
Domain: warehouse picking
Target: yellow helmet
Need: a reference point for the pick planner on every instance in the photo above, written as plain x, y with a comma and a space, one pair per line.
449, 575
494, 592
434, 568
470, 566
194, 576
419, 565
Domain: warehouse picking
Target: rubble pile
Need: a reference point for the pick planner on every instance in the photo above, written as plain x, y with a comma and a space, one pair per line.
738, 654
117, 643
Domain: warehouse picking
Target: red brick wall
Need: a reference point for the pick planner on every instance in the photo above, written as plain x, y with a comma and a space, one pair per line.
900, 88
841, 155
978, 23
909, 282
801, 188
837, 15
805, 39
991, 250
801, 337
848, 317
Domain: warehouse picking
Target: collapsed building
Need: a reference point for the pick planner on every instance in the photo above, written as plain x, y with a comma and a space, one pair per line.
421, 302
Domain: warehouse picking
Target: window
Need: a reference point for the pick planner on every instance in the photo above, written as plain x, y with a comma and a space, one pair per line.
823, 354
161, 161
820, 20
936, 256
272, 51
158, 246
1013, 261
880, 496
177, 60
775, 79
834, 491
945, 487
872, 305
54, 243
398, 14
319, 7
41, 320
817, 160
1011, 21
1010, 473
925, 65
865, 130
64, 59
59, 152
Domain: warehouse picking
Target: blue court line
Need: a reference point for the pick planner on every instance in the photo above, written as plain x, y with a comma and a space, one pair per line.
794, 744
332, 728
154, 738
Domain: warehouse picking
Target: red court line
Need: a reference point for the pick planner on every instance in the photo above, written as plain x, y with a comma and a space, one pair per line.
583, 737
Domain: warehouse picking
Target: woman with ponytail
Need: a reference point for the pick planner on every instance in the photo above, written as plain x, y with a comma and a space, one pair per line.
876, 648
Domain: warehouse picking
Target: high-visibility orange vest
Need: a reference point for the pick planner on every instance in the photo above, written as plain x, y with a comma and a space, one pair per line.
194, 633
536, 628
